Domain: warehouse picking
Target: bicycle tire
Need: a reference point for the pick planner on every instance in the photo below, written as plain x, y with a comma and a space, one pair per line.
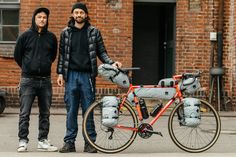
195, 139
122, 138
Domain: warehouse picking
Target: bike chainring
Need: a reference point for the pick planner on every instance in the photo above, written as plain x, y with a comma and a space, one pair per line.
144, 130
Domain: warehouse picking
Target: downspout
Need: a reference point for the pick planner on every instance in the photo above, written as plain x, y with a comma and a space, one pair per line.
218, 71
220, 34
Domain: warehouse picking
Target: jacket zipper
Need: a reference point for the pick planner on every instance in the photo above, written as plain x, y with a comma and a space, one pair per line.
37, 52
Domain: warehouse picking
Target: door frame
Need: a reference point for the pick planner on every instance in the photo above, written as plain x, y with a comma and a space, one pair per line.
156, 1
171, 2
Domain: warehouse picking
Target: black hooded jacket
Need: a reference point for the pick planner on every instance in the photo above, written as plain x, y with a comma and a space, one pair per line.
34, 51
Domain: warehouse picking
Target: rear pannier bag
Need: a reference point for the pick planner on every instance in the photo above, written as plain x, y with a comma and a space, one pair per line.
192, 117
114, 75
110, 112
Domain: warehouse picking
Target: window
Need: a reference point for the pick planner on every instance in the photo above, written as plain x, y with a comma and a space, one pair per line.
9, 20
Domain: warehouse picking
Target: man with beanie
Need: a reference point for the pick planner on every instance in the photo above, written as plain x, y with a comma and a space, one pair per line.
80, 44
35, 51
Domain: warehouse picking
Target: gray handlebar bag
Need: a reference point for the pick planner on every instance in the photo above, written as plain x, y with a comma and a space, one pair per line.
114, 75
190, 85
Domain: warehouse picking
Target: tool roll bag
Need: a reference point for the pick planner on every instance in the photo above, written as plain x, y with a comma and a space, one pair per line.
110, 111
114, 75
192, 117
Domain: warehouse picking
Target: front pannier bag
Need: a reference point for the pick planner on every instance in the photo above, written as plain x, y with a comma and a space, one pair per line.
114, 75
192, 117
110, 111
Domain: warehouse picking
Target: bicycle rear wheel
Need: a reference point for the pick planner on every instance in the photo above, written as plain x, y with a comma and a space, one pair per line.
195, 139
112, 139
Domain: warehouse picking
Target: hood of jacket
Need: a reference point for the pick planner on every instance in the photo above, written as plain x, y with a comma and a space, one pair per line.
34, 27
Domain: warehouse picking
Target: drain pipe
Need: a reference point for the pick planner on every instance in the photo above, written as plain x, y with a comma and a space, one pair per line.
220, 34
218, 71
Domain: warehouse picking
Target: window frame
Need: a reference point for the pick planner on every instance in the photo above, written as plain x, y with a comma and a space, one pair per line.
10, 6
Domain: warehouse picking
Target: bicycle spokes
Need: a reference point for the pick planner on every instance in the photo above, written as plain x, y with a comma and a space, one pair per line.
112, 139
198, 138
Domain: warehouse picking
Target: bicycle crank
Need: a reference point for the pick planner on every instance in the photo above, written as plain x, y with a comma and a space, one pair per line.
145, 131
154, 132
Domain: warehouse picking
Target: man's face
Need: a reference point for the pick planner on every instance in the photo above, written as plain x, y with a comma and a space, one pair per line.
41, 19
79, 15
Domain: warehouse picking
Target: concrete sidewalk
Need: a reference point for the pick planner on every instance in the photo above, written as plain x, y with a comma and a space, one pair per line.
62, 111
154, 146
230, 129
40, 154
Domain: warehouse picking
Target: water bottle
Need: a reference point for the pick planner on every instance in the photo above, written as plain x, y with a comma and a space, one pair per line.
156, 110
143, 108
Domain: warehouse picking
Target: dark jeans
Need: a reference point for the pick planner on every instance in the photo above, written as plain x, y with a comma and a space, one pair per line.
29, 89
79, 89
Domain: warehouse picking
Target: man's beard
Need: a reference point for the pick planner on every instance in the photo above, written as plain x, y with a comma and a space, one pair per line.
81, 21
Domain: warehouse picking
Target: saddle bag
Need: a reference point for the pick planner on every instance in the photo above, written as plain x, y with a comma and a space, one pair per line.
113, 74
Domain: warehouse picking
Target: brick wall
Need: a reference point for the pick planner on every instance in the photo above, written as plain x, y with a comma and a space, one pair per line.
193, 26
230, 49
113, 20
234, 56
195, 19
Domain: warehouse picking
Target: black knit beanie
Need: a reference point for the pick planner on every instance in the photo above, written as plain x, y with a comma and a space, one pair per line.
42, 9
80, 6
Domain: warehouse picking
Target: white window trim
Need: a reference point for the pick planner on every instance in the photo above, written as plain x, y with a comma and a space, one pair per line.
9, 5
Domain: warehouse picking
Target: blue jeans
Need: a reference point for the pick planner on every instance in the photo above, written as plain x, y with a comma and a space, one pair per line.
29, 89
79, 89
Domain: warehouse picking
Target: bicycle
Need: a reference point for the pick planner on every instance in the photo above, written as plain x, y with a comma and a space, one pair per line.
192, 139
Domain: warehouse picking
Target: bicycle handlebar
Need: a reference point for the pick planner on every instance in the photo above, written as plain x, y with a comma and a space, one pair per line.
196, 74
188, 75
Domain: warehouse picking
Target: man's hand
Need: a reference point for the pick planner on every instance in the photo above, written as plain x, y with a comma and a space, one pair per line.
117, 64
60, 80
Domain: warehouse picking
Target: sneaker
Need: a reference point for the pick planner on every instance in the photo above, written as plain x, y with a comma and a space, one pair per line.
89, 148
44, 145
22, 146
68, 147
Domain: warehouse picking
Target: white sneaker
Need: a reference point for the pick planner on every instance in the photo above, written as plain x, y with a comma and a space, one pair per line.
44, 145
22, 146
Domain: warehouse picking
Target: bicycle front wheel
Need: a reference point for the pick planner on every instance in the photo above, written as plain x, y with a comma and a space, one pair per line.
111, 139
195, 139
